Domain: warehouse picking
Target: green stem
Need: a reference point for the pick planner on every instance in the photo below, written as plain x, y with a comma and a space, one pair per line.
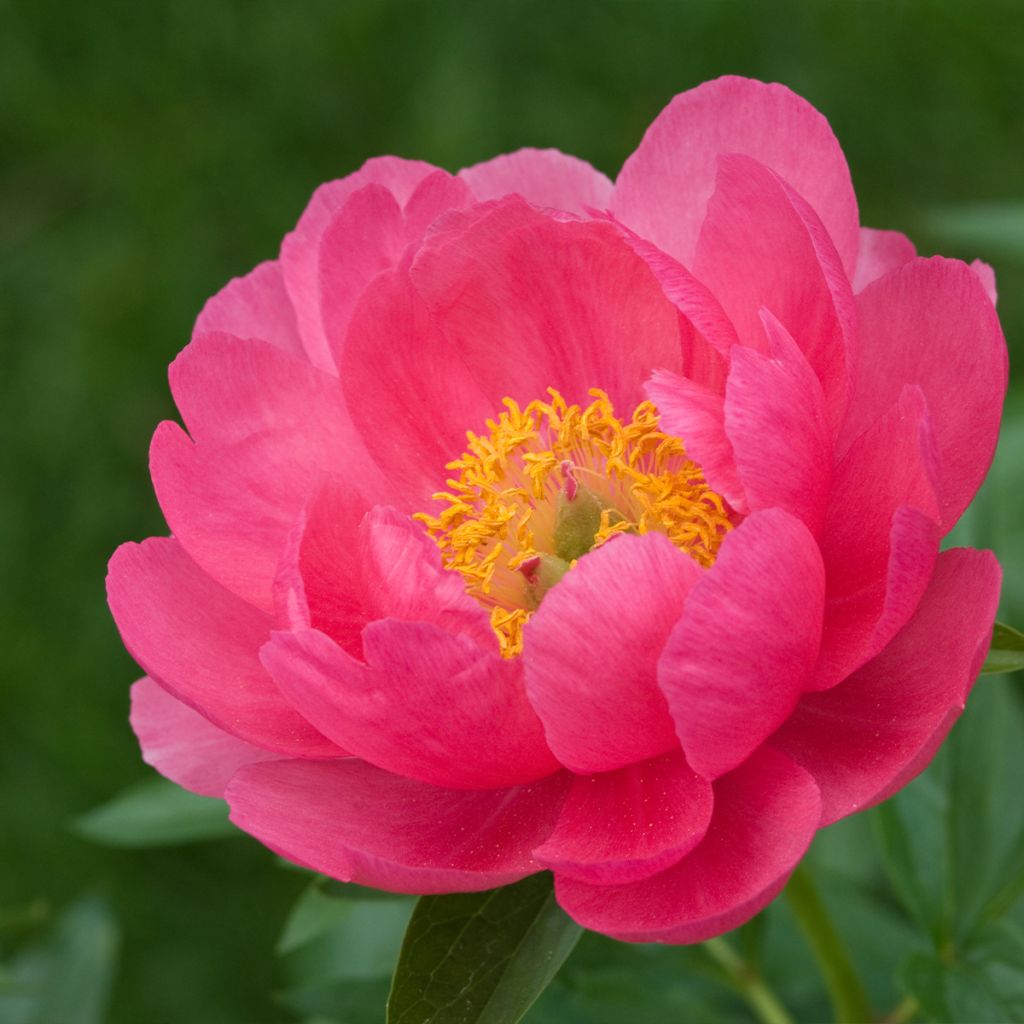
904, 1013
750, 985
849, 1000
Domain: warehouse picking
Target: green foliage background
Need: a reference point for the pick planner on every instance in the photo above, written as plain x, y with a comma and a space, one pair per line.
151, 150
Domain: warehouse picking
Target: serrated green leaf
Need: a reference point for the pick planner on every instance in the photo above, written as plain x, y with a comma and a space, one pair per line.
1006, 651
155, 813
480, 958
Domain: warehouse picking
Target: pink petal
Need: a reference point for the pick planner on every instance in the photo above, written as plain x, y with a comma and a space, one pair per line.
359, 824
543, 177
184, 746
881, 537
777, 423
300, 251
528, 302
697, 415
269, 429
591, 652
629, 824
880, 252
987, 276
254, 306
427, 705
880, 727
734, 666
765, 815
930, 323
664, 186
200, 642
762, 246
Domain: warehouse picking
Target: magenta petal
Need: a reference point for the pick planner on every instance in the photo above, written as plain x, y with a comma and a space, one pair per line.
765, 815
201, 643
763, 247
300, 250
254, 306
591, 653
880, 252
776, 420
629, 824
184, 746
697, 415
735, 664
881, 537
663, 188
881, 726
931, 323
357, 823
543, 177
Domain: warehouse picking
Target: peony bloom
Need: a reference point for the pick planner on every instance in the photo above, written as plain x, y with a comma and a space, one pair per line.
526, 521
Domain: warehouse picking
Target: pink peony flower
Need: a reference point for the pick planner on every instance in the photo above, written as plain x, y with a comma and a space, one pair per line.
526, 521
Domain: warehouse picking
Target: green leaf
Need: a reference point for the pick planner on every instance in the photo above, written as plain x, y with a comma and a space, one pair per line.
998, 225
1006, 652
480, 958
155, 813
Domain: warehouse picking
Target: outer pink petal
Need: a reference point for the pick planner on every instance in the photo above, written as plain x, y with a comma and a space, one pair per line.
762, 246
200, 642
427, 704
183, 745
269, 429
697, 415
300, 251
880, 252
765, 815
930, 323
777, 423
543, 177
664, 186
626, 825
591, 652
987, 276
528, 302
359, 824
734, 666
880, 727
254, 306
881, 537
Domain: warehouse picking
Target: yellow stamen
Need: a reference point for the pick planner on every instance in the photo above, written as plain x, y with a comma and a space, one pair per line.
500, 509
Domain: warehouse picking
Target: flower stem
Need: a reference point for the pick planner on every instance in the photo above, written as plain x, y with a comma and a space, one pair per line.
904, 1012
849, 1000
748, 983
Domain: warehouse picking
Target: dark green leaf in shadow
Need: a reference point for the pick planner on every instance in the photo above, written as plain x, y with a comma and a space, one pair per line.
480, 958
155, 813
1006, 652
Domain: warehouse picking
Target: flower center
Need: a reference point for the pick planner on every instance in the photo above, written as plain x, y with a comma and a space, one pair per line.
549, 483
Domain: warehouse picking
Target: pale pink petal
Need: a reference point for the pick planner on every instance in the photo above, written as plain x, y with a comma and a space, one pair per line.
543, 177
763, 247
697, 415
269, 428
629, 824
437, 194
184, 746
734, 666
300, 250
528, 302
880, 252
777, 423
664, 186
987, 276
254, 306
201, 643
880, 539
930, 323
765, 815
881, 726
426, 704
591, 653
359, 824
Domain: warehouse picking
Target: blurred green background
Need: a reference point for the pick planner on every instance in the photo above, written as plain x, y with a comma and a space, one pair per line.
151, 150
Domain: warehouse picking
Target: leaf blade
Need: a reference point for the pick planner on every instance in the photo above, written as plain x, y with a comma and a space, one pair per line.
1006, 651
